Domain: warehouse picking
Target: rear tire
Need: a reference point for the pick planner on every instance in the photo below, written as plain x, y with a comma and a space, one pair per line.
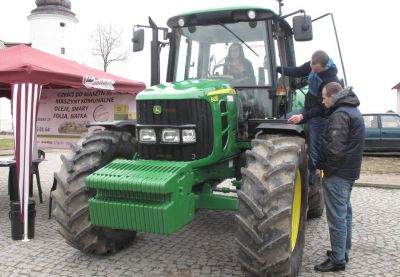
71, 208
316, 201
270, 241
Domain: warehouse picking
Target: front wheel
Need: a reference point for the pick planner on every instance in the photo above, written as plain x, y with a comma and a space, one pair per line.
273, 206
71, 209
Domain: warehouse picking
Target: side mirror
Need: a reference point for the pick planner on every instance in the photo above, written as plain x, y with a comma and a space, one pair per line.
138, 40
302, 28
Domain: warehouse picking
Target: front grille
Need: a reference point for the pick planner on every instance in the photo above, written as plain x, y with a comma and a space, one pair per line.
175, 113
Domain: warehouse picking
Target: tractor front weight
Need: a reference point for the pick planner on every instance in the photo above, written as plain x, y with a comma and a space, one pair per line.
151, 196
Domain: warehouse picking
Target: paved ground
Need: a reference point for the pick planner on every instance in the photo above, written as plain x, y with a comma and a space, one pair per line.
381, 171
203, 248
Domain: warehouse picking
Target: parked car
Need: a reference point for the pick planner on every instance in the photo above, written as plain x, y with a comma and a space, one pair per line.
382, 132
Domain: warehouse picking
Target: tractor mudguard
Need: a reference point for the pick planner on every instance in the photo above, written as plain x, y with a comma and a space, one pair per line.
279, 126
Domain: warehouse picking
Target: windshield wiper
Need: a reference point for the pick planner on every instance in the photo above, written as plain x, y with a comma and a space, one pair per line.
239, 38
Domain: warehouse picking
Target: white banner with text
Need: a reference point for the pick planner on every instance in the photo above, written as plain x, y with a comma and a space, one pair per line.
64, 113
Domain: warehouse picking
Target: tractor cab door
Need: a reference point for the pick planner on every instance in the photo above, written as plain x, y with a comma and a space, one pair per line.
291, 91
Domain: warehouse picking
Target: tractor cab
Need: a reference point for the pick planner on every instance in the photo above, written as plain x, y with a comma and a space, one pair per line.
216, 46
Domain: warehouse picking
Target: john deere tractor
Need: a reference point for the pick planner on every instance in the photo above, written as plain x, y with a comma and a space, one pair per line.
199, 128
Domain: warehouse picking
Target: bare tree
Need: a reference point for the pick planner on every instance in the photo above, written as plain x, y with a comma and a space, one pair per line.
108, 45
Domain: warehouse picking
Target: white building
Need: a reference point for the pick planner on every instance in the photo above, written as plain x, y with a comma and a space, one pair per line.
53, 28
397, 87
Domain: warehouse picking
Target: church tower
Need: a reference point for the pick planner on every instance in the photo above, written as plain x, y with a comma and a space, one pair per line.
52, 28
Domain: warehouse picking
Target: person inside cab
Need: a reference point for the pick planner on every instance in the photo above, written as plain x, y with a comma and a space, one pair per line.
239, 67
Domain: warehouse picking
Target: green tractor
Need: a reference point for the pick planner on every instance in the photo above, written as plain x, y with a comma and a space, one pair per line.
201, 127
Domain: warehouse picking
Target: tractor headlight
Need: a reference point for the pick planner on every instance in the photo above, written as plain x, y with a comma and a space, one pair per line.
188, 135
170, 136
147, 135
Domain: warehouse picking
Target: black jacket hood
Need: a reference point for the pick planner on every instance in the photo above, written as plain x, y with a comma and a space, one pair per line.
345, 97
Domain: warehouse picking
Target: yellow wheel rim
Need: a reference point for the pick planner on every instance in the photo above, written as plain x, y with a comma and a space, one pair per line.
296, 210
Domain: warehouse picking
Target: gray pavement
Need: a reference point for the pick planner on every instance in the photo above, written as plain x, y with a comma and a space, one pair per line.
379, 180
203, 248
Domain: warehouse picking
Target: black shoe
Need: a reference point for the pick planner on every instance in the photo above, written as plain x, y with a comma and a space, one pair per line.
329, 252
329, 266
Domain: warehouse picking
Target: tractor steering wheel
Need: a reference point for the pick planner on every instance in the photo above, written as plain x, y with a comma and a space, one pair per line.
226, 78
216, 67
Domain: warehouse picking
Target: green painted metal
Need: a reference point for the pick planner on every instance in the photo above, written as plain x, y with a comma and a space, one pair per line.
244, 145
189, 89
144, 196
236, 183
200, 89
209, 200
298, 99
222, 170
154, 196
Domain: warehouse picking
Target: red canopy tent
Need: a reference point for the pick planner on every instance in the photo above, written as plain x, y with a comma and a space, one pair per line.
24, 72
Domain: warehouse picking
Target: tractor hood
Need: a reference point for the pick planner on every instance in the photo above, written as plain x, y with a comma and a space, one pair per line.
190, 89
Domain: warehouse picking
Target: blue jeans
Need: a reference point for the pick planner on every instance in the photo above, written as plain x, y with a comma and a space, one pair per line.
315, 129
337, 193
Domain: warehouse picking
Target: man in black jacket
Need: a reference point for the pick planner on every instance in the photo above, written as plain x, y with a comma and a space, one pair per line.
320, 71
340, 159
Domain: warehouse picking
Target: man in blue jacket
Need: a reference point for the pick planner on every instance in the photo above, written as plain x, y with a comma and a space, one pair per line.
320, 71
340, 159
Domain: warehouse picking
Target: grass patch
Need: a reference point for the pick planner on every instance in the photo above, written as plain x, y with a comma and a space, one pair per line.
7, 143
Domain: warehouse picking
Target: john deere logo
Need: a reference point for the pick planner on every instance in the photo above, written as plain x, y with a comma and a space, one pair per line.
157, 109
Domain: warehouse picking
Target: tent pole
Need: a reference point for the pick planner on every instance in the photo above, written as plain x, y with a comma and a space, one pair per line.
25, 97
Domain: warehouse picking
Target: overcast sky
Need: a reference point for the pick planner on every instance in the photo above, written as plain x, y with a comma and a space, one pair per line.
368, 32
